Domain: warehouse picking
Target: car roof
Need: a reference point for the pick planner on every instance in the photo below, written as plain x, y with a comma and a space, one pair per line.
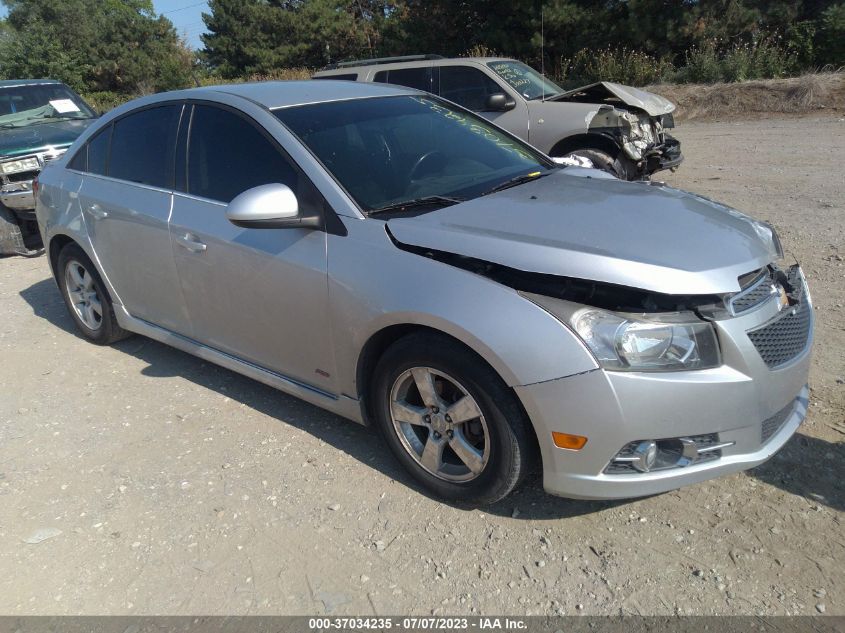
14, 83
282, 94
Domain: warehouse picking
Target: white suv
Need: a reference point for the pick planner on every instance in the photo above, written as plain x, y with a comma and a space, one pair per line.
618, 128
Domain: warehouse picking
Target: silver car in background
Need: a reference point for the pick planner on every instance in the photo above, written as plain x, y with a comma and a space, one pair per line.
620, 129
400, 261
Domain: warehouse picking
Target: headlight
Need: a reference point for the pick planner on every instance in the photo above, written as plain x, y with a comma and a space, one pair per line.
641, 342
24, 164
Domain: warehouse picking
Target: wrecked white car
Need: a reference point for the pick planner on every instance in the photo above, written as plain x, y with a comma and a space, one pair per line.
618, 128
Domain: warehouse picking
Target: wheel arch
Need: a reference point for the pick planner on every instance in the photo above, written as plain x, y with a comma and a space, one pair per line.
380, 341
57, 243
586, 141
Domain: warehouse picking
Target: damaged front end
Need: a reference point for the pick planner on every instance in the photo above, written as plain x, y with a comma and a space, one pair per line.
643, 139
586, 292
635, 121
780, 295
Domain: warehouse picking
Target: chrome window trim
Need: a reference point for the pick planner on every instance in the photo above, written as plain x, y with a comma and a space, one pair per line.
138, 185
190, 196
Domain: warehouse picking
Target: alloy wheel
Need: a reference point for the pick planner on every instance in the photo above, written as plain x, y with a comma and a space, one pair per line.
83, 295
439, 424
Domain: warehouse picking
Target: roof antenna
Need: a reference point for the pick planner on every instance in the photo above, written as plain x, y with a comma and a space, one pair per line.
543, 47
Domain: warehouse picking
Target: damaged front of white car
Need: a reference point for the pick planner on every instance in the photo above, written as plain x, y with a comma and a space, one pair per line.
620, 129
616, 128
635, 120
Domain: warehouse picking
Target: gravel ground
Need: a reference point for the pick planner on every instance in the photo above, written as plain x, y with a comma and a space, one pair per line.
139, 480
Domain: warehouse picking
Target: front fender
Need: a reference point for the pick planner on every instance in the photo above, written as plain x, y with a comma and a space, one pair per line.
375, 285
552, 121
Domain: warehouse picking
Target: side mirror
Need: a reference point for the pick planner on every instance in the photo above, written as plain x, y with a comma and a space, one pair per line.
269, 207
499, 102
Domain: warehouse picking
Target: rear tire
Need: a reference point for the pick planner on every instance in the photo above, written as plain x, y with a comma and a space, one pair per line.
86, 297
451, 421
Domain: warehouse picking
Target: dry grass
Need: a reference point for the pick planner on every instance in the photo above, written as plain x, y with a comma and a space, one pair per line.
817, 92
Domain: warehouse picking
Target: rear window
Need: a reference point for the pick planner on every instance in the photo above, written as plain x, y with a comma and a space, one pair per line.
143, 146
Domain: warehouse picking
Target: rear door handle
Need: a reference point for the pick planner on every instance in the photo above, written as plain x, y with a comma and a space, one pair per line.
98, 212
191, 242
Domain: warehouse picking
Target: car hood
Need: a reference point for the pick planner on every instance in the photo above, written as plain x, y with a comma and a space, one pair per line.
654, 104
626, 233
37, 138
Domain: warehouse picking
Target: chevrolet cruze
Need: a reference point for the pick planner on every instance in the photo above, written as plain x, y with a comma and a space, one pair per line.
402, 262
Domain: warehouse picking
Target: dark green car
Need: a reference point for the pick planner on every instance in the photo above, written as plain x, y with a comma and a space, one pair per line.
39, 120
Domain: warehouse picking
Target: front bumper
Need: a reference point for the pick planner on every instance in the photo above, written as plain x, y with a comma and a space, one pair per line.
665, 156
737, 401
18, 196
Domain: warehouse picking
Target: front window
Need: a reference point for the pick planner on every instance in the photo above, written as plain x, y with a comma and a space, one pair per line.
525, 80
22, 106
467, 86
390, 150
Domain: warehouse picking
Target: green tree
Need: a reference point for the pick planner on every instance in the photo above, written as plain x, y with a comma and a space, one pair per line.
831, 29
95, 45
258, 36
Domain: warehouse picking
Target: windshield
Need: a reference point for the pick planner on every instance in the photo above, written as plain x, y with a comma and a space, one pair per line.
390, 150
21, 106
525, 80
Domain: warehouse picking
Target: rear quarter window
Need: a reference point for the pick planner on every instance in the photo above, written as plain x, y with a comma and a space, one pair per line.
98, 153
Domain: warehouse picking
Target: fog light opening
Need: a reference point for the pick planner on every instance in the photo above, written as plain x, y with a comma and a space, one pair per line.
648, 456
645, 455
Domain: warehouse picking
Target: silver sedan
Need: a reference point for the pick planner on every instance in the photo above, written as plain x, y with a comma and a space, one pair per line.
404, 263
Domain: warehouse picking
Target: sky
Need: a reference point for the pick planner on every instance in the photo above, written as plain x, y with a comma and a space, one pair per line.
186, 16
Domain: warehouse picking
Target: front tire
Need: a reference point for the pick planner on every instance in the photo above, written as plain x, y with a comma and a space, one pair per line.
11, 236
600, 160
86, 297
451, 421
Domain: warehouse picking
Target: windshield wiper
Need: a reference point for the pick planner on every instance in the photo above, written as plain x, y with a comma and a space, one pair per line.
426, 201
518, 180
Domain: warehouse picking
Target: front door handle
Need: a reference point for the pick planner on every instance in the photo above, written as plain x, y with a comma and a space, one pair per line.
98, 212
192, 243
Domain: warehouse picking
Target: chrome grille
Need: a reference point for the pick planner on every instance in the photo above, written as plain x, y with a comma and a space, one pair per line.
774, 424
786, 336
758, 290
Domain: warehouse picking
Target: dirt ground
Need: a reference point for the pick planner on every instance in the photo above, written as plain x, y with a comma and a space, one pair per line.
161, 484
